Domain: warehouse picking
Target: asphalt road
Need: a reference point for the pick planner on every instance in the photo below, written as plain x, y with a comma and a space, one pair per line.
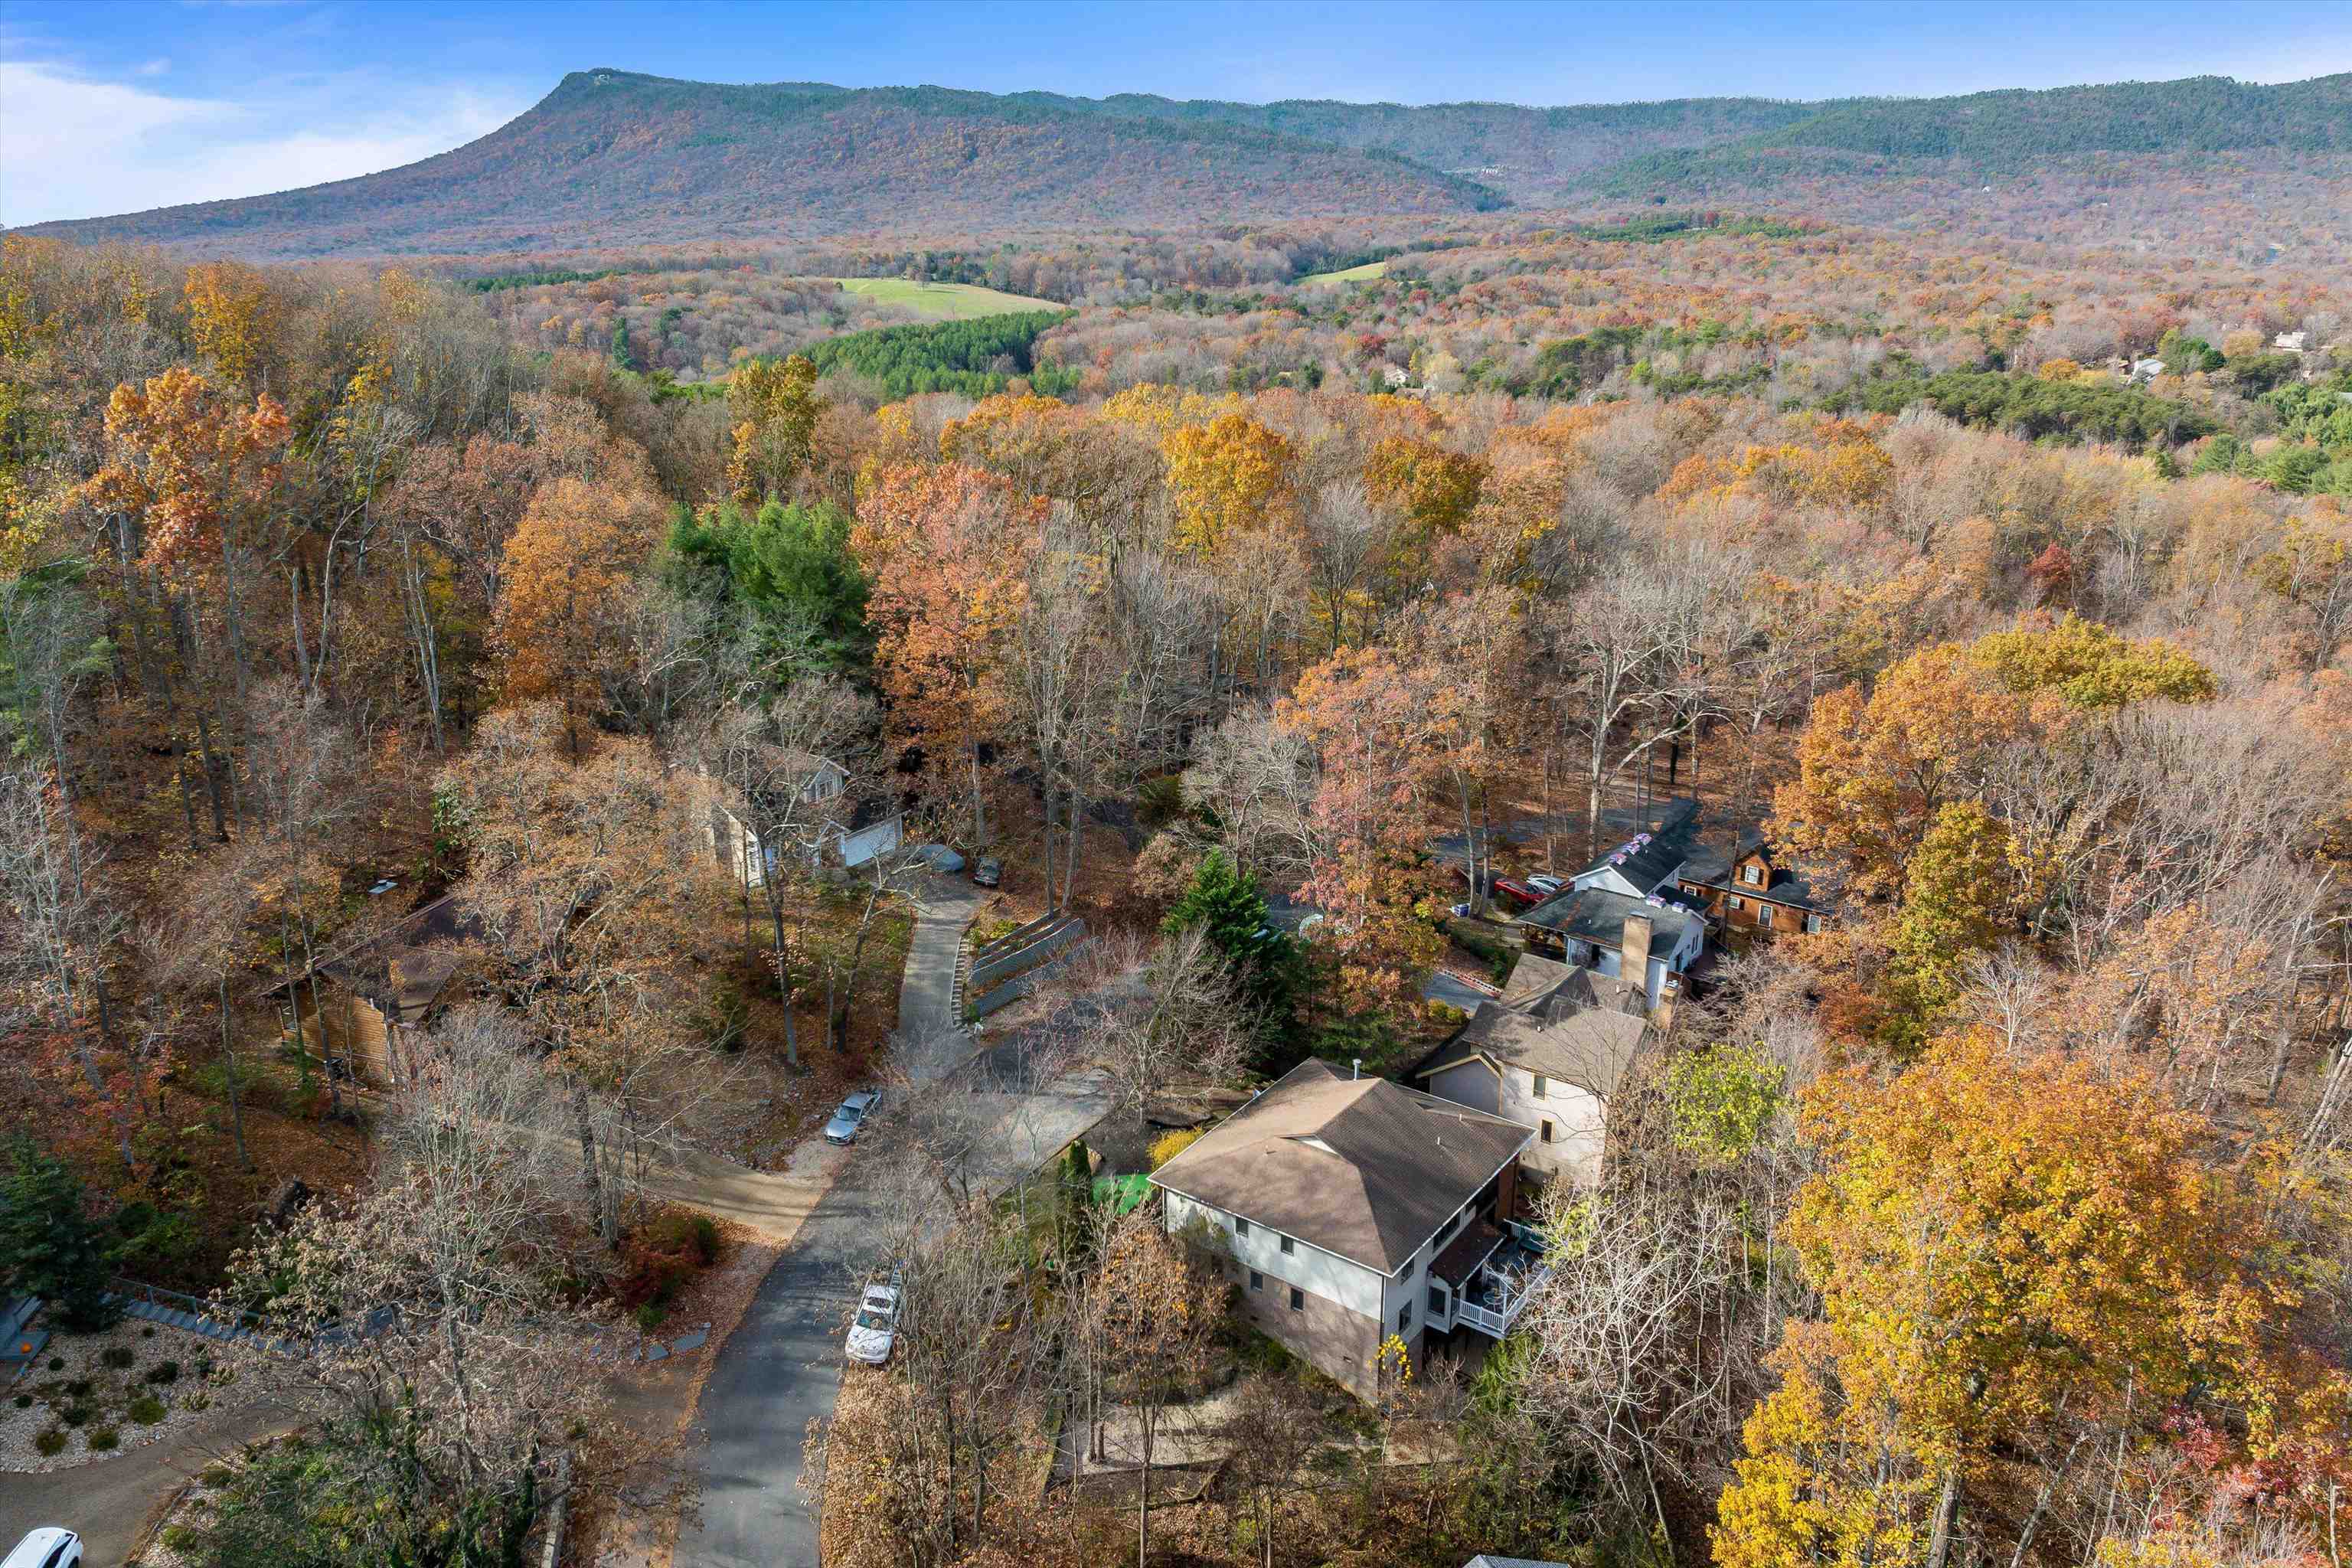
781, 1367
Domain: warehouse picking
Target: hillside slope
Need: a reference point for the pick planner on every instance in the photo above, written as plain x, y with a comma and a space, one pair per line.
1531, 154
2012, 133
612, 158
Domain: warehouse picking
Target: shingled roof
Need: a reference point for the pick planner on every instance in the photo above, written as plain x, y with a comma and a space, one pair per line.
1359, 1167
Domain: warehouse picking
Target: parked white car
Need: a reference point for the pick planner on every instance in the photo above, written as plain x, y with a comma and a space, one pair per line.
50, 1546
875, 1328
1547, 885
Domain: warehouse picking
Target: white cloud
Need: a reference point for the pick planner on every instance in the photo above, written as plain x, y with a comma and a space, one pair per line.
157, 67
75, 147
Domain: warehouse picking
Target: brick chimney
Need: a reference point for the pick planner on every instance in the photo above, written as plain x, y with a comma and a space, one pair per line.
1634, 966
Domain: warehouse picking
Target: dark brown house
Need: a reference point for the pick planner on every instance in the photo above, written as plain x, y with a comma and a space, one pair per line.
1752, 889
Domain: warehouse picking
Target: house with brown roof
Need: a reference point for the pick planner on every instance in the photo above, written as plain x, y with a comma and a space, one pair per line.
1353, 1209
1550, 1054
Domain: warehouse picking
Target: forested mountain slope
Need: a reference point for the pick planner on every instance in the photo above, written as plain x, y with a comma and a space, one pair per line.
614, 158
2011, 132
610, 157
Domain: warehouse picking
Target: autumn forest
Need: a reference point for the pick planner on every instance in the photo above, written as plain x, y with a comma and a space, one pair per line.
449, 702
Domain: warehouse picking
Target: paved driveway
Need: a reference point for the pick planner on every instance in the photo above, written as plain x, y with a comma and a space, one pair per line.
107, 1502
781, 1368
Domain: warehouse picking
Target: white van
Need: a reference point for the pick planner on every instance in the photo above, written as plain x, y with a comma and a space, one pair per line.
50, 1546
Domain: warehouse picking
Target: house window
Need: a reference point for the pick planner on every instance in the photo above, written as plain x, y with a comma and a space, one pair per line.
1542, 1084
1241, 1226
1436, 1300
1404, 1317
1752, 874
1812, 922
1412, 1267
1298, 1300
1288, 1246
1737, 902
1547, 1129
1257, 1281
1764, 914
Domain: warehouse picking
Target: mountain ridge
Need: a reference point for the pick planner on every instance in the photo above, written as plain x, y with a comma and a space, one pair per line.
615, 157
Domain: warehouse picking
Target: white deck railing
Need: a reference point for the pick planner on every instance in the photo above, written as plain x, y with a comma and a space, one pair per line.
1495, 1321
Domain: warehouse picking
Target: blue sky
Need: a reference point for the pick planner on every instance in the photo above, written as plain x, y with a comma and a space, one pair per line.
112, 106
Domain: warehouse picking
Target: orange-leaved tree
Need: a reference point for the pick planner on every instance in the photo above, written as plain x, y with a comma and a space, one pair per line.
563, 593
947, 550
1380, 741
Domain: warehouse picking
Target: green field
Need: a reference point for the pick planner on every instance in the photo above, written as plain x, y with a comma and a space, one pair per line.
1364, 274
943, 301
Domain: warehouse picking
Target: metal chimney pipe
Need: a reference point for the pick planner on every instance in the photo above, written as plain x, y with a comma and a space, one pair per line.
1355, 1067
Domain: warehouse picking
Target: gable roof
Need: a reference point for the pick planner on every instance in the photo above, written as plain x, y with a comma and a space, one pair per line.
1649, 859
1598, 915
1362, 1168
1711, 867
1552, 1021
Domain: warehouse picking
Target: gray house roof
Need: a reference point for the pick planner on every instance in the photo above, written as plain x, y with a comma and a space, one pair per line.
1362, 1168
1649, 859
1552, 1021
1598, 915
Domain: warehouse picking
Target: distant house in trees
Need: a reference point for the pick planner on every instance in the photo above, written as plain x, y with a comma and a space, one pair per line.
1396, 377
1551, 1053
1749, 888
2147, 369
1626, 914
2290, 342
1353, 1209
356, 1005
829, 828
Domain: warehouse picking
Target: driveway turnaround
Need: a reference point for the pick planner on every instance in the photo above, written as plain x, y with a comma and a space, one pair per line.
781, 1368
107, 1502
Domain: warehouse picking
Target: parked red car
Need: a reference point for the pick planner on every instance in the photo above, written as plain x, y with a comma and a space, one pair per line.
1519, 890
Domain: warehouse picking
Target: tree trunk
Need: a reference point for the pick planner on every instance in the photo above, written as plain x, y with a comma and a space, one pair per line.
783, 974
228, 1063
1070, 860
1947, 1516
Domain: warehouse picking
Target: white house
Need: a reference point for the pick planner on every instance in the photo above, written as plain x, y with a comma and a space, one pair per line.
1626, 914
826, 830
1550, 1054
1354, 1209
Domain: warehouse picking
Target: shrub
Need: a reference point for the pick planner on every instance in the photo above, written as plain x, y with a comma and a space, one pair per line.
118, 1356
199, 1400
76, 1414
1168, 1145
679, 1232
163, 1372
50, 1443
105, 1439
56, 1363
146, 1410
649, 1318
80, 1388
148, 1332
23, 1402
182, 1541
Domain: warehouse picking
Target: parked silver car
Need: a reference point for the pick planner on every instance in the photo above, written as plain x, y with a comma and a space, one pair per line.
851, 1116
